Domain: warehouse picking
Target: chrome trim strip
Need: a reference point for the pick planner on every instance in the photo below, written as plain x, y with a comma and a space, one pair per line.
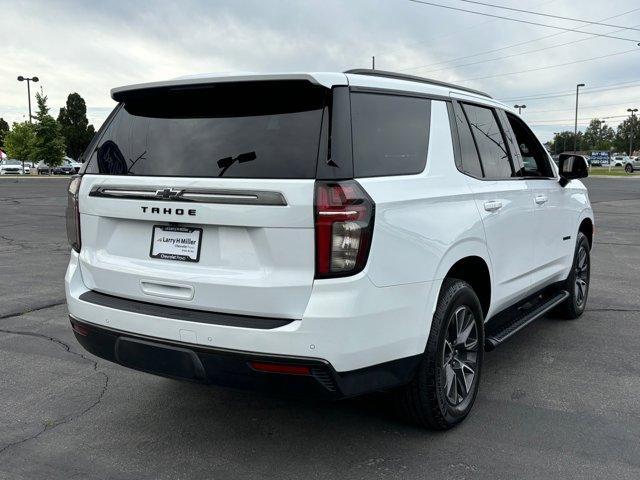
193, 195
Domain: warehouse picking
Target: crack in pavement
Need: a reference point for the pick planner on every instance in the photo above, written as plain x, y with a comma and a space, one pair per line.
64, 420
55, 303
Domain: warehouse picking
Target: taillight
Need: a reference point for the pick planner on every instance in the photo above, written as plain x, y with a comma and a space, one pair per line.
73, 213
344, 216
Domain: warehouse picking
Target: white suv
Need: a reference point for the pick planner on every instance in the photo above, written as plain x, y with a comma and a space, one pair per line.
321, 233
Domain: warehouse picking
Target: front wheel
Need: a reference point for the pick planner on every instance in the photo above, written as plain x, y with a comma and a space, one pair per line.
628, 168
445, 385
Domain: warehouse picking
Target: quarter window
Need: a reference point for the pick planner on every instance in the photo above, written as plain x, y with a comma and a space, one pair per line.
390, 134
469, 160
489, 141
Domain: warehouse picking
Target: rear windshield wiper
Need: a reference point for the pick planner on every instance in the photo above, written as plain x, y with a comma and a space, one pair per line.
226, 162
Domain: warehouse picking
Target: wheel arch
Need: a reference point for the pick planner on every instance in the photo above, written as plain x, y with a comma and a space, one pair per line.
469, 261
586, 227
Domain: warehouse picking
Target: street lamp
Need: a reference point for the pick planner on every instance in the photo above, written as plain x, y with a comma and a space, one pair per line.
575, 127
32, 79
519, 107
632, 111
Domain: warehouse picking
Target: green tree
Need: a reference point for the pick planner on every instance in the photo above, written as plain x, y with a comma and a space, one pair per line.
563, 141
598, 136
623, 134
4, 129
74, 125
49, 142
20, 141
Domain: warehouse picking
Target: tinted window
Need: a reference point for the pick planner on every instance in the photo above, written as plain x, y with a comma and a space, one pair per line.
490, 141
390, 134
469, 160
242, 130
534, 157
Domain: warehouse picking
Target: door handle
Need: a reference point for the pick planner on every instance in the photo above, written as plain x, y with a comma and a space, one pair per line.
541, 199
492, 205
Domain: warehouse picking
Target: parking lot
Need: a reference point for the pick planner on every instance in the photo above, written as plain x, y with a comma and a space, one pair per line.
560, 400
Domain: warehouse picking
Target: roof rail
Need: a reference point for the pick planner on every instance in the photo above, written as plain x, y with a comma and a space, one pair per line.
413, 78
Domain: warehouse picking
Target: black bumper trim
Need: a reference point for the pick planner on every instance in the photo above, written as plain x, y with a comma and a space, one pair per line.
186, 314
230, 368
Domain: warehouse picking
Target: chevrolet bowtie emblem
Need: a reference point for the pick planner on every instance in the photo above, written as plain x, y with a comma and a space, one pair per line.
168, 193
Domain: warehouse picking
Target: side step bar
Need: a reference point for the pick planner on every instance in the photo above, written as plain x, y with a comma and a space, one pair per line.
515, 320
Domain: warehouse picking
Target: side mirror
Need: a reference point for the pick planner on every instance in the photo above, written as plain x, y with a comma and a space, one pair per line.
572, 167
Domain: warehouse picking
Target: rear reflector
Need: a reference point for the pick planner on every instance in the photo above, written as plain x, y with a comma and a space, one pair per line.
344, 215
280, 368
80, 329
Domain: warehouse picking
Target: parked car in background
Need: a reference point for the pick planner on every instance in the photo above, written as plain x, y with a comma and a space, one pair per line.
43, 168
11, 167
75, 165
65, 169
619, 160
632, 164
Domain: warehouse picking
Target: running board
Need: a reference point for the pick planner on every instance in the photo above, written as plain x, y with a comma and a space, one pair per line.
517, 319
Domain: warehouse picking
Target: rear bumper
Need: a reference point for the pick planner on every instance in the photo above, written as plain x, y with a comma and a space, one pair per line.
229, 368
349, 322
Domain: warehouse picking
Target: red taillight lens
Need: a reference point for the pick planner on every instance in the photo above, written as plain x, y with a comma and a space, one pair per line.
73, 213
344, 215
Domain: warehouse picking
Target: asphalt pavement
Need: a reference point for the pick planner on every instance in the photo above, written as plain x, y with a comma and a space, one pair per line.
559, 400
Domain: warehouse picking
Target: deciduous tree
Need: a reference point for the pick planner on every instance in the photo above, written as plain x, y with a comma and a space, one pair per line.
20, 141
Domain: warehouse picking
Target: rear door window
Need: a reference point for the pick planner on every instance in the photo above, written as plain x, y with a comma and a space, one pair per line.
490, 141
239, 130
390, 134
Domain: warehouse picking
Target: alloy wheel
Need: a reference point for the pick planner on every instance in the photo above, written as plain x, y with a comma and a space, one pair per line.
460, 355
582, 276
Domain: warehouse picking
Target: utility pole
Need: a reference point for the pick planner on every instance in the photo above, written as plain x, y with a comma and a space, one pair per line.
28, 80
373, 62
520, 107
632, 111
555, 143
575, 127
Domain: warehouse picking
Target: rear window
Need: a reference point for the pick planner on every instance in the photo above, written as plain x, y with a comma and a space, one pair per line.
390, 134
239, 130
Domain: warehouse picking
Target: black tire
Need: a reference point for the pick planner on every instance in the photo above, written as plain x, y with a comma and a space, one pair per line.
628, 168
577, 283
427, 401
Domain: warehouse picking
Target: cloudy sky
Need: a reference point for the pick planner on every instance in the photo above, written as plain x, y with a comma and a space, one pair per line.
89, 47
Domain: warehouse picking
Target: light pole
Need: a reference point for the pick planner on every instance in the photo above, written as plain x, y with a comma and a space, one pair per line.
32, 79
555, 143
575, 127
519, 107
632, 111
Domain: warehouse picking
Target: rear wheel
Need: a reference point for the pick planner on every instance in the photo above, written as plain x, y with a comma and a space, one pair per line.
578, 281
446, 383
628, 168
